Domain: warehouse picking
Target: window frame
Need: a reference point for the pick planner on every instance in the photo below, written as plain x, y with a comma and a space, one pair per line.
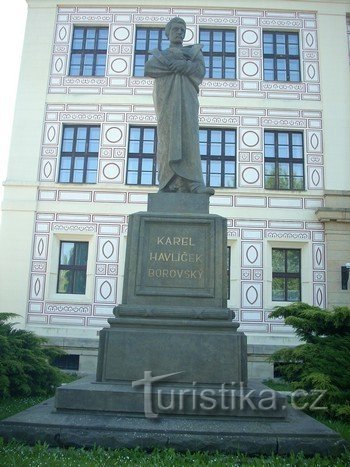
211, 54
140, 156
86, 154
85, 51
287, 275
290, 160
274, 56
222, 158
75, 268
162, 43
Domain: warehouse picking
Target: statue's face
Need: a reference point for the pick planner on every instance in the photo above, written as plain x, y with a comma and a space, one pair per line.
177, 33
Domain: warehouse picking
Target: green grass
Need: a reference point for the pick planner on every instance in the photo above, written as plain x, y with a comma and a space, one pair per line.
13, 405
20, 455
341, 427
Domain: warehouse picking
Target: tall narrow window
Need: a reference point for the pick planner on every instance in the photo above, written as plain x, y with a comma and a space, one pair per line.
218, 155
79, 154
146, 40
89, 49
72, 267
284, 160
219, 50
142, 168
286, 275
281, 56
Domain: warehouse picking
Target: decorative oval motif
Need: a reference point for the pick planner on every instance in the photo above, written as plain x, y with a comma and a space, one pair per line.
189, 35
319, 297
309, 39
119, 65
249, 37
51, 133
121, 34
105, 290
250, 69
37, 286
311, 71
315, 177
107, 249
314, 141
250, 175
111, 171
250, 139
47, 169
40, 246
318, 256
114, 134
251, 295
59, 65
62, 33
252, 254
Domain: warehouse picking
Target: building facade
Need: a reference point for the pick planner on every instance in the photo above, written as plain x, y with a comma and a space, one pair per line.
274, 135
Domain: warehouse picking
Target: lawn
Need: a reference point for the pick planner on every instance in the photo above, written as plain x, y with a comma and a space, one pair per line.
19, 455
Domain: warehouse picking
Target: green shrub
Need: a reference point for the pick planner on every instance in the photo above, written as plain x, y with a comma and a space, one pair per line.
25, 362
322, 361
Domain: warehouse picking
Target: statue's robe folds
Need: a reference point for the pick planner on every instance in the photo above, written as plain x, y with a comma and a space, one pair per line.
175, 98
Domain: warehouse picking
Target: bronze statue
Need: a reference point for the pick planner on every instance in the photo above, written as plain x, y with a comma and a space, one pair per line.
178, 72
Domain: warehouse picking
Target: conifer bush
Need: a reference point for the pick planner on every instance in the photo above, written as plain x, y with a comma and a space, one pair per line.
322, 360
25, 362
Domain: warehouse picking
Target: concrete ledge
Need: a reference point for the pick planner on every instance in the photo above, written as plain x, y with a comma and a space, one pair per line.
297, 433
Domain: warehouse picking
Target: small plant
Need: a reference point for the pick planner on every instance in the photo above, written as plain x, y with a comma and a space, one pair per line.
322, 361
25, 362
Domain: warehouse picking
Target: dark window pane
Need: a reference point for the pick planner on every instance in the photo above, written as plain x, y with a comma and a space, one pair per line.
89, 47
67, 253
278, 260
283, 153
293, 261
278, 286
72, 267
281, 56
81, 142
141, 169
286, 274
293, 290
80, 282
219, 50
64, 281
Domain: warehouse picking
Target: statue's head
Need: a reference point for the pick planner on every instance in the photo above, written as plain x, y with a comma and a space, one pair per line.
174, 22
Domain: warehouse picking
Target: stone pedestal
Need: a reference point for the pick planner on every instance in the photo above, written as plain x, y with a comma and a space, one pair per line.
173, 323
174, 318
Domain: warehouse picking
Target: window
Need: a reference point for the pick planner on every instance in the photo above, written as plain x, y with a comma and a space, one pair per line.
142, 168
217, 150
284, 162
67, 362
79, 154
72, 267
286, 275
89, 49
281, 56
146, 40
218, 154
219, 50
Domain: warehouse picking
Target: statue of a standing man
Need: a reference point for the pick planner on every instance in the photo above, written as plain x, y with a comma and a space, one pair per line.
178, 71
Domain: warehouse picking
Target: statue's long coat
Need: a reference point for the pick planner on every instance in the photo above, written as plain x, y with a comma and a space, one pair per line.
176, 103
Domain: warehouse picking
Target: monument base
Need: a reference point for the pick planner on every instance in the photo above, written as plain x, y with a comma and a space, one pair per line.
298, 432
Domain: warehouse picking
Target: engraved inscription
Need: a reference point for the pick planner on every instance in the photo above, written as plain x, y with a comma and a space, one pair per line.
175, 257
